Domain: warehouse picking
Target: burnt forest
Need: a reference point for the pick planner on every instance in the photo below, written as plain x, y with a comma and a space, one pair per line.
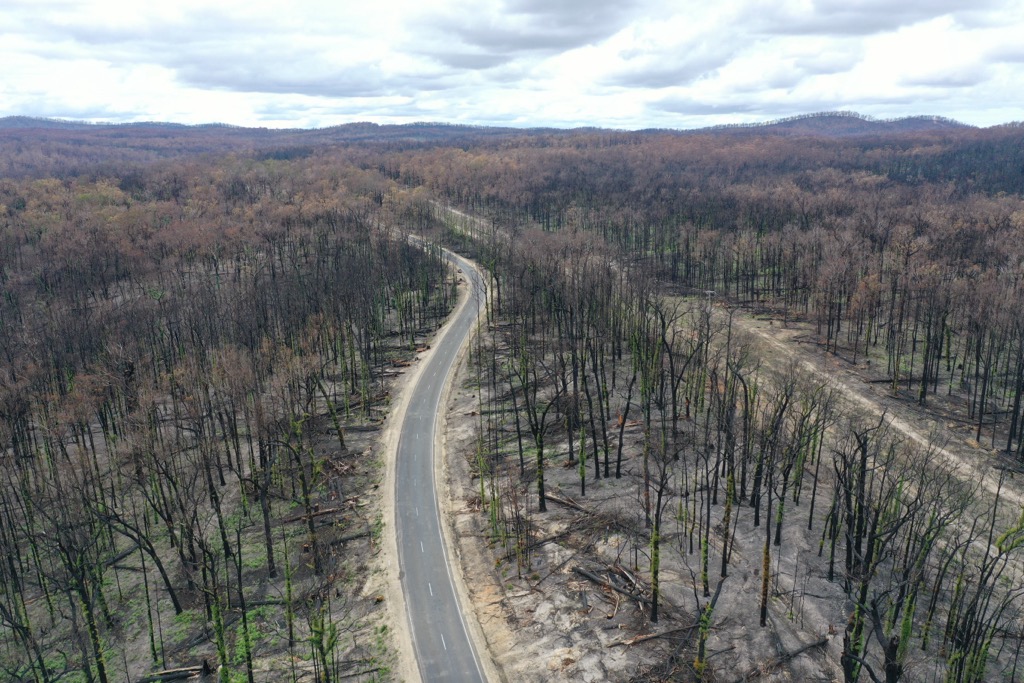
742, 404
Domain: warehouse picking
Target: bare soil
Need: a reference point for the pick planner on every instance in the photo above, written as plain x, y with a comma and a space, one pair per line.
941, 425
549, 623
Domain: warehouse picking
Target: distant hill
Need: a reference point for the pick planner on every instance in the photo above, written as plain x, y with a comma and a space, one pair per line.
843, 124
827, 124
22, 122
348, 132
44, 146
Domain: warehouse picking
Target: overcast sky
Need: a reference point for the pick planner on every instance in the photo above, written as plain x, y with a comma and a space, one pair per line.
612, 63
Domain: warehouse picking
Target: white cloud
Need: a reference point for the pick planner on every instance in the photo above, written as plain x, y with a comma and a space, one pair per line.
617, 63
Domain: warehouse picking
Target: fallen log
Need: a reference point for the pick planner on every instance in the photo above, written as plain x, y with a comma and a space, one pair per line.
178, 674
347, 504
350, 537
304, 517
121, 555
264, 603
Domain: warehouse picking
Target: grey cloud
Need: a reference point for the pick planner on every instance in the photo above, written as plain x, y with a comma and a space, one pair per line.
305, 78
450, 62
538, 26
843, 17
667, 68
1006, 53
247, 62
791, 73
540, 39
964, 78
210, 49
687, 106
469, 60
242, 78
826, 65
593, 18
663, 75
783, 79
201, 25
267, 65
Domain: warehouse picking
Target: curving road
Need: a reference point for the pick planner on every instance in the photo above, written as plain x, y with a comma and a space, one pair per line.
440, 637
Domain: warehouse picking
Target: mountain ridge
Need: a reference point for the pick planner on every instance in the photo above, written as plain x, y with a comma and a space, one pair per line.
828, 124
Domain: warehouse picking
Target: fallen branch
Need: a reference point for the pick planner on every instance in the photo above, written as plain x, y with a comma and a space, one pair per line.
560, 564
628, 575
616, 610
573, 505
360, 673
549, 539
651, 636
567, 502
779, 661
611, 586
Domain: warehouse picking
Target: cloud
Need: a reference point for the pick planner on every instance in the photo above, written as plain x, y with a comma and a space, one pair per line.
473, 61
517, 27
313, 69
1010, 54
827, 57
681, 105
652, 74
213, 48
958, 78
860, 17
621, 63
672, 51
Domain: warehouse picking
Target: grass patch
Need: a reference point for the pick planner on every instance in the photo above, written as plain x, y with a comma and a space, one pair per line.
184, 623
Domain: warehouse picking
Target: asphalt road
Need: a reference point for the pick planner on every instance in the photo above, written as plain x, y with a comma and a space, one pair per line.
443, 648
